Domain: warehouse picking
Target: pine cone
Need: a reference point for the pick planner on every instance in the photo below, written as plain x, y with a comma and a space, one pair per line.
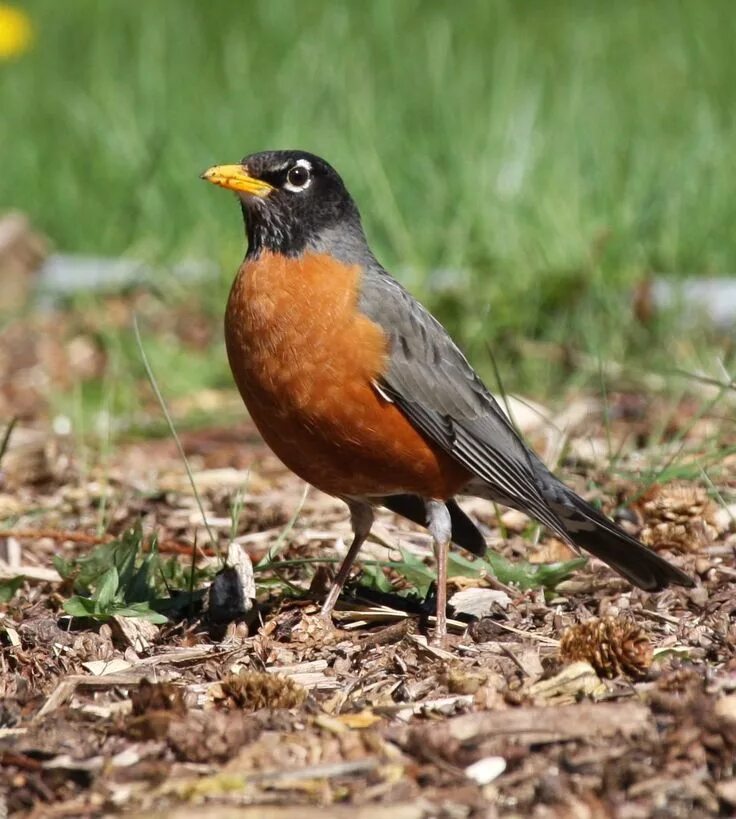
613, 646
678, 516
253, 690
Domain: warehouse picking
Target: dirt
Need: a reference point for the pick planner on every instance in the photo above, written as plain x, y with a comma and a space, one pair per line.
278, 715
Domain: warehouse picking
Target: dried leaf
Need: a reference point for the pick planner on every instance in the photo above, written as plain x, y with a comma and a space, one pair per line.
363, 719
479, 602
101, 668
573, 681
134, 632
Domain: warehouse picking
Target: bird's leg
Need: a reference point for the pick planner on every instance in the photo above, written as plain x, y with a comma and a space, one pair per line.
440, 527
361, 517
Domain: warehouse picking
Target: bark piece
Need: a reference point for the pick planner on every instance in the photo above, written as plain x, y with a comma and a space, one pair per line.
537, 726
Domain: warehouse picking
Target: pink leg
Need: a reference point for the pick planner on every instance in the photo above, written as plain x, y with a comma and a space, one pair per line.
440, 526
361, 517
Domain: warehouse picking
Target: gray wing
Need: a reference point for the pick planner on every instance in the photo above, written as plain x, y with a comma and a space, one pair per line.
432, 383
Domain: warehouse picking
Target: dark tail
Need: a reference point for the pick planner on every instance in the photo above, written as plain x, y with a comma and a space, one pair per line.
594, 532
580, 524
464, 532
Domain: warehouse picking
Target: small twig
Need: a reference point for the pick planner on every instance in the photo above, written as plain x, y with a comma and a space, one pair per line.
718, 495
391, 634
723, 570
184, 549
680, 440
494, 583
730, 384
278, 545
503, 529
510, 654
660, 617
192, 566
236, 508
5, 443
501, 389
175, 435
87, 539
529, 634
326, 770
19, 760
57, 534
719, 550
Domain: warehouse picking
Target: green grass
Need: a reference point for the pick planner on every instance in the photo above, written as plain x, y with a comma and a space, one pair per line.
553, 152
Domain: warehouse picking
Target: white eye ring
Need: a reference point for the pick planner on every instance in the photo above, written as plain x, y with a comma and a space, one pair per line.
299, 176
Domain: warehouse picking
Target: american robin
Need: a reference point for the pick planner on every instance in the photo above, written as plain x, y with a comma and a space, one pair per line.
360, 390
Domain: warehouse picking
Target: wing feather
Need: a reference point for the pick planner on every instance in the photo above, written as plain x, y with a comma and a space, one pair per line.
433, 384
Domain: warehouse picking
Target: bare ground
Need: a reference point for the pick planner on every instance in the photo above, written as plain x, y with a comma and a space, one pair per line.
275, 715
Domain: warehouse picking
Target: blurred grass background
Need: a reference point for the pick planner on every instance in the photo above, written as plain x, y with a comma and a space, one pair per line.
549, 155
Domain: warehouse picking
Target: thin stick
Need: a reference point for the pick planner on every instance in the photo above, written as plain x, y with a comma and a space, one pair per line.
6, 437
172, 429
57, 534
278, 545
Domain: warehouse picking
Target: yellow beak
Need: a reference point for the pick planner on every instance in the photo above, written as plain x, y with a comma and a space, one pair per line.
236, 178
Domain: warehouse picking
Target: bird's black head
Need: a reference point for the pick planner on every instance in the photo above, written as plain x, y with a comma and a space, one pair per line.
292, 201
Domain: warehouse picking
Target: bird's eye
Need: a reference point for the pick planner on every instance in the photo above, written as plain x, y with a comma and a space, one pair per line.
298, 176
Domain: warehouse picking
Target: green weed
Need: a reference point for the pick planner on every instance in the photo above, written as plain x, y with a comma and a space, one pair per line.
419, 576
122, 578
9, 586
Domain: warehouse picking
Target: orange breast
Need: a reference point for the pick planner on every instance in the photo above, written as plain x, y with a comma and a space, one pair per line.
304, 358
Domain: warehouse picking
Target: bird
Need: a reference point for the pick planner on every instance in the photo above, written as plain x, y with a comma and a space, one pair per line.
359, 390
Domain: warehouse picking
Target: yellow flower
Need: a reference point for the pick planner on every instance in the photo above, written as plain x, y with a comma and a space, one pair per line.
16, 32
